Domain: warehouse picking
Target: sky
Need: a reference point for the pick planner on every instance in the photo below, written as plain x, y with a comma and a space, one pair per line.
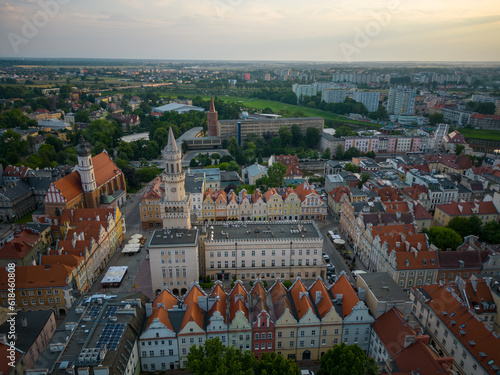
273, 30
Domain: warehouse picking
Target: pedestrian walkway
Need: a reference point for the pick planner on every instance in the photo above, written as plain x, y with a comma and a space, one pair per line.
142, 282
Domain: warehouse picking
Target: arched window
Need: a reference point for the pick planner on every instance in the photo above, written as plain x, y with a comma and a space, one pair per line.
177, 167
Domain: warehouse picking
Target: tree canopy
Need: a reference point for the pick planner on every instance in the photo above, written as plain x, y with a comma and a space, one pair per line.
347, 360
444, 238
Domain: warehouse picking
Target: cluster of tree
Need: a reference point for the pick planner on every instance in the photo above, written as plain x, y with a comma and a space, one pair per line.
103, 135
484, 108
215, 358
348, 106
138, 150
436, 118
284, 95
275, 177
14, 118
10, 92
352, 152
225, 110
379, 114
490, 232
444, 238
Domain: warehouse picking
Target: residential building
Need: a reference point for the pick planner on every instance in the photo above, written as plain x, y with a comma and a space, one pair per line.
463, 263
262, 321
239, 324
455, 331
253, 172
23, 250
401, 101
485, 211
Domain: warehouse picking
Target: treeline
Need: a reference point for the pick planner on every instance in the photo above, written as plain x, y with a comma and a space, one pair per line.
348, 106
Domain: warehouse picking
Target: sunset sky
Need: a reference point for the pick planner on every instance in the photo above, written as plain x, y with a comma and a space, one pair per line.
320, 30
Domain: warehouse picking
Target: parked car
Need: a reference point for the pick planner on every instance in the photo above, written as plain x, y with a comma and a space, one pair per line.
306, 372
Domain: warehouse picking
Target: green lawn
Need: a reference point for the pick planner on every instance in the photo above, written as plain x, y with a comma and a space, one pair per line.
25, 219
493, 135
288, 109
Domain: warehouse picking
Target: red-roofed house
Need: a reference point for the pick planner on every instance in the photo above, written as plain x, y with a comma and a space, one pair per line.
262, 321
23, 250
455, 330
309, 324
239, 327
217, 314
12, 173
486, 211
356, 315
478, 120
158, 329
312, 206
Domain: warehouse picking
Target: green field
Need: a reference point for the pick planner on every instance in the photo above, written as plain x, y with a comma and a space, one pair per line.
492, 135
287, 109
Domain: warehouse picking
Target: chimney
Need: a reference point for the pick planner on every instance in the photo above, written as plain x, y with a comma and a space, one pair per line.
24, 322
149, 309
409, 339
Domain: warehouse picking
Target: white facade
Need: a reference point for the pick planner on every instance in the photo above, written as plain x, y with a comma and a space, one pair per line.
401, 101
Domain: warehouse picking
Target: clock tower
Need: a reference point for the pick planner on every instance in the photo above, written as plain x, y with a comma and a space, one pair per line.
175, 204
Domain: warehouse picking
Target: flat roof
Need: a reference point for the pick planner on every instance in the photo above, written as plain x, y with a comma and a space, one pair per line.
165, 237
263, 230
114, 275
383, 286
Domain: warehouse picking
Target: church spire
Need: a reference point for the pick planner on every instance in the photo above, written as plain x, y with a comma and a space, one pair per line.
212, 105
172, 145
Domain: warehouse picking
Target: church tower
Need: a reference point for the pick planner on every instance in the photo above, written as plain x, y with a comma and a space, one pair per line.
175, 204
87, 176
212, 120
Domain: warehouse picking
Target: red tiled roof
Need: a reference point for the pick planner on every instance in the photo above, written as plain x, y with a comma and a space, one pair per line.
420, 358
20, 245
5, 367
324, 305
193, 312
154, 190
416, 260
237, 303
466, 327
220, 304
349, 297
279, 298
29, 277
391, 328
339, 192
300, 298
396, 206
14, 171
454, 259
420, 212
165, 298
468, 208
69, 260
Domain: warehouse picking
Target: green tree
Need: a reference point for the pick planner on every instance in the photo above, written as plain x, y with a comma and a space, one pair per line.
343, 131
461, 225
272, 363
444, 238
475, 225
491, 232
276, 174
339, 152
459, 149
352, 152
296, 135
326, 154
351, 168
147, 174
214, 358
364, 177
347, 360
313, 136
285, 136
370, 154
436, 118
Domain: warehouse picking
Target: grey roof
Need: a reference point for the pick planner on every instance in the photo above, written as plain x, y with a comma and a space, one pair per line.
358, 192
37, 227
53, 124
462, 189
370, 207
384, 287
26, 336
256, 169
39, 183
229, 176
14, 189
266, 230
180, 108
166, 237
193, 185
333, 164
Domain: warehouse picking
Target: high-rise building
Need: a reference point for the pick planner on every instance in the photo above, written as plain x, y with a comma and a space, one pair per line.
369, 98
212, 120
401, 101
333, 96
175, 205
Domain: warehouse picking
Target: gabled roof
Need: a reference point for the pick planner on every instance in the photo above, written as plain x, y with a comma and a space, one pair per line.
301, 298
391, 328
339, 192
321, 298
162, 315
349, 297
237, 301
280, 299
416, 260
20, 245
420, 213
258, 297
165, 299
70, 260
304, 189
193, 313
220, 304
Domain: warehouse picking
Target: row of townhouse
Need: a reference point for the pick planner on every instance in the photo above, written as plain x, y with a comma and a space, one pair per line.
390, 242
389, 144
298, 323
301, 203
